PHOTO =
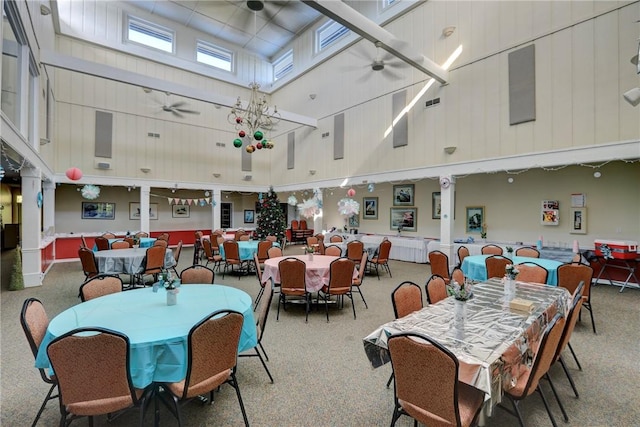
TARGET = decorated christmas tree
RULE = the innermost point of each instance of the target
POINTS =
(271, 220)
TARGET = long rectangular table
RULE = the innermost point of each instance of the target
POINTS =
(492, 344)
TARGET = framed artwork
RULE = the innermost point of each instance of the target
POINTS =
(404, 219)
(404, 195)
(249, 216)
(370, 210)
(134, 210)
(550, 212)
(436, 205)
(354, 221)
(578, 221)
(475, 219)
(98, 210)
(180, 211)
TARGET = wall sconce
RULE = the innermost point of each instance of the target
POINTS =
(597, 174)
(145, 170)
(312, 96)
(632, 96)
(510, 180)
(247, 177)
(447, 31)
(19, 198)
(450, 150)
(312, 172)
(44, 10)
(216, 175)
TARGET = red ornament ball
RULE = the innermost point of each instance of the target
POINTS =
(238, 120)
(259, 145)
(241, 134)
(74, 174)
(351, 192)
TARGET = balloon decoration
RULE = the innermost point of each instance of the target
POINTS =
(74, 174)
(351, 192)
(90, 192)
(292, 200)
(309, 208)
(348, 207)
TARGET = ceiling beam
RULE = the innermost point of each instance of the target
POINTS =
(366, 28)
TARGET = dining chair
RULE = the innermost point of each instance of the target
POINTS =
(152, 265)
(335, 239)
(238, 234)
(333, 250)
(212, 353)
(570, 276)
(527, 252)
(261, 324)
(130, 241)
(340, 278)
(102, 243)
(263, 250)
(244, 238)
(120, 244)
(232, 256)
(197, 274)
(92, 370)
(208, 253)
(356, 283)
(427, 387)
(532, 273)
(406, 298)
(439, 262)
(34, 321)
(100, 285)
(355, 248)
(108, 235)
(312, 240)
(161, 243)
(303, 224)
(435, 289)
(321, 247)
(457, 275)
(176, 256)
(293, 284)
(320, 237)
(197, 247)
(529, 380)
(83, 242)
(140, 234)
(463, 252)
(164, 236)
(295, 224)
(382, 257)
(495, 265)
(274, 252)
(256, 261)
(88, 262)
(491, 250)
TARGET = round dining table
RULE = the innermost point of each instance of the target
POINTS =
(145, 242)
(127, 261)
(474, 267)
(158, 333)
(246, 248)
(317, 272)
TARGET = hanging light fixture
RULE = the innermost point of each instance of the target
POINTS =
(253, 120)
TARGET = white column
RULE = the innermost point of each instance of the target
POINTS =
(31, 226)
(447, 199)
(215, 210)
(144, 208)
(49, 206)
(318, 219)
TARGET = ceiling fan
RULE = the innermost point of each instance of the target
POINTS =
(269, 8)
(383, 62)
(175, 108)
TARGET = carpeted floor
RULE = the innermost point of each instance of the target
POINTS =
(322, 376)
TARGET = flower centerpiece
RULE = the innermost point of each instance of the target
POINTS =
(309, 250)
(461, 292)
(511, 272)
(483, 232)
(509, 252)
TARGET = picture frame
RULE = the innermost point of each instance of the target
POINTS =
(436, 205)
(370, 208)
(98, 210)
(407, 218)
(578, 221)
(475, 219)
(134, 210)
(249, 216)
(354, 221)
(180, 211)
(550, 213)
(404, 195)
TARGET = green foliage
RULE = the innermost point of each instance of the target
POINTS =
(271, 219)
(17, 280)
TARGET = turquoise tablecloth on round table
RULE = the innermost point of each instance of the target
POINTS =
(247, 248)
(157, 332)
(145, 242)
(474, 267)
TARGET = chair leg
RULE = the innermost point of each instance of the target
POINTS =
(308, 307)
(263, 363)
(234, 383)
(566, 371)
(353, 306)
(390, 379)
(396, 415)
(278, 313)
(386, 265)
(593, 322)
(574, 356)
(258, 298)
(362, 296)
(516, 409)
(546, 405)
(555, 393)
(44, 404)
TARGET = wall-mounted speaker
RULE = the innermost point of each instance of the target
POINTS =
(103, 165)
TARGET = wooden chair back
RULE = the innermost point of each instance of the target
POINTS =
(491, 250)
(495, 265)
(436, 289)
(97, 286)
(406, 298)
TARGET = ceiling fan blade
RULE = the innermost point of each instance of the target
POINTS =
(388, 73)
(177, 114)
(361, 52)
(182, 110)
(177, 104)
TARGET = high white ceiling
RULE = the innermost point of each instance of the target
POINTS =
(263, 32)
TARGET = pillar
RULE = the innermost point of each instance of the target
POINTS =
(31, 227)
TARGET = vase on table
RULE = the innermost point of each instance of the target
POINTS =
(172, 296)
(310, 256)
(509, 287)
(459, 312)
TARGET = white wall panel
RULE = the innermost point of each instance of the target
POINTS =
(561, 82)
(543, 130)
(583, 79)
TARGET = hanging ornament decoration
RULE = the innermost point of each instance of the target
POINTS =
(317, 195)
(253, 119)
(292, 200)
(90, 191)
(73, 174)
(351, 192)
(348, 207)
(1, 173)
(371, 188)
(309, 208)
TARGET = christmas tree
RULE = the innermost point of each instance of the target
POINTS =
(271, 221)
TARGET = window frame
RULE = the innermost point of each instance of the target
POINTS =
(279, 70)
(325, 36)
(152, 27)
(215, 49)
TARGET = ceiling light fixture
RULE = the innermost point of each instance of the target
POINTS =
(450, 150)
(597, 174)
(312, 172)
(44, 10)
(632, 96)
(145, 170)
(447, 31)
(216, 175)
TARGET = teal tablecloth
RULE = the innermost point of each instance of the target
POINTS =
(157, 332)
(474, 267)
(247, 248)
(145, 242)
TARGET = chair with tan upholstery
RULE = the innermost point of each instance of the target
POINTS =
(102, 243)
(212, 354)
(529, 380)
(274, 252)
(161, 242)
(570, 276)
(88, 261)
(463, 252)
(140, 234)
(197, 246)
(432, 396)
(340, 277)
(244, 238)
(356, 283)
(207, 250)
(261, 324)
(321, 247)
(491, 250)
(197, 274)
(108, 235)
(527, 252)
(333, 250)
(83, 242)
(130, 241)
(382, 257)
(34, 321)
(120, 244)
(232, 256)
(496, 265)
(238, 234)
(164, 236)
(263, 250)
(440, 265)
(92, 369)
(355, 248)
(532, 273)
(320, 237)
(176, 256)
(335, 239)
(457, 275)
(312, 241)
(102, 284)
(436, 289)
(153, 264)
(293, 283)
(271, 238)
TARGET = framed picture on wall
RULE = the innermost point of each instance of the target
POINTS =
(134, 210)
(404, 195)
(180, 211)
(98, 210)
(578, 221)
(475, 219)
(370, 210)
(550, 212)
(249, 216)
(404, 219)
(436, 205)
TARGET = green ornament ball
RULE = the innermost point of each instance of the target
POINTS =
(258, 135)
(237, 143)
